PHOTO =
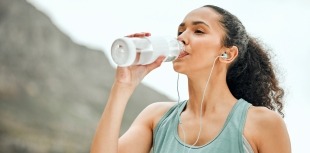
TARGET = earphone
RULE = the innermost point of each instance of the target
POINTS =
(224, 55)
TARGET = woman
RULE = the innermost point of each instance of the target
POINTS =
(234, 105)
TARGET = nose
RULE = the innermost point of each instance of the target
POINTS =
(182, 39)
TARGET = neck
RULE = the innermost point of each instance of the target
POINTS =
(215, 94)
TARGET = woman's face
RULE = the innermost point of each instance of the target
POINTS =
(202, 34)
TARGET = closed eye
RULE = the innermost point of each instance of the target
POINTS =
(199, 32)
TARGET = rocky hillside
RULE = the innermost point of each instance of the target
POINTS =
(52, 90)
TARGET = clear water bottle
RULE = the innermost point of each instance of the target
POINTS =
(128, 51)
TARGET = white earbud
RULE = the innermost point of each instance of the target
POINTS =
(224, 55)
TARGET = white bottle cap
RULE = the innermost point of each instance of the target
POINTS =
(123, 52)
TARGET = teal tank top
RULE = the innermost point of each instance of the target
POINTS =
(229, 140)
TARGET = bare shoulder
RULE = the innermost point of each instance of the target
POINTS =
(138, 138)
(267, 130)
(154, 112)
(264, 117)
(159, 108)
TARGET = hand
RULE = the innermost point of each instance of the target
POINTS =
(141, 34)
(133, 75)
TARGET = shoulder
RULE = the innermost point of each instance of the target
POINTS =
(262, 116)
(266, 128)
(155, 111)
(159, 107)
(265, 120)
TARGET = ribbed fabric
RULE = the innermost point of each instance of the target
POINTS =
(229, 140)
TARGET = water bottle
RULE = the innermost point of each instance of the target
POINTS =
(128, 51)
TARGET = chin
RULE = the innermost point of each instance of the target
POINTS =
(178, 67)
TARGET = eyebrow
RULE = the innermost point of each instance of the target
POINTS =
(195, 23)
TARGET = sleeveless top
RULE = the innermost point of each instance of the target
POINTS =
(229, 140)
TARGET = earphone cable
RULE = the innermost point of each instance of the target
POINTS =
(179, 112)
(202, 100)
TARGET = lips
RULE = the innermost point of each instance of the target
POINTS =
(182, 54)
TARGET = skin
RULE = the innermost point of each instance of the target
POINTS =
(201, 33)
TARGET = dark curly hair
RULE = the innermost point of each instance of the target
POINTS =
(251, 76)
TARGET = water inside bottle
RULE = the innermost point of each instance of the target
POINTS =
(132, 51)
(146, 56)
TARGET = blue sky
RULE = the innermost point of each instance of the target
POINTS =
(282, 25)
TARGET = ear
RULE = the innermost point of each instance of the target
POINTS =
(232, 54)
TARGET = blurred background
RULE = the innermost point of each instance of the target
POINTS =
(56, 69)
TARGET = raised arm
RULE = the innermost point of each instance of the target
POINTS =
(106, 138)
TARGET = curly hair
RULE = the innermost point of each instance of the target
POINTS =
(251, 76)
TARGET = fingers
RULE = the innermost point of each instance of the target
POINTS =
(141, 34)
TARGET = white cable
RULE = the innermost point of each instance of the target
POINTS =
(179, 112)
(178, 93)
(203, 96)
(179, 120)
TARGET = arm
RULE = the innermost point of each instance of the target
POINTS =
(274, 137)
(107, 133)
(268, 131)
(139, 137)
(106, 138)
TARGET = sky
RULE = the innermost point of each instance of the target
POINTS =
(283, 25)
